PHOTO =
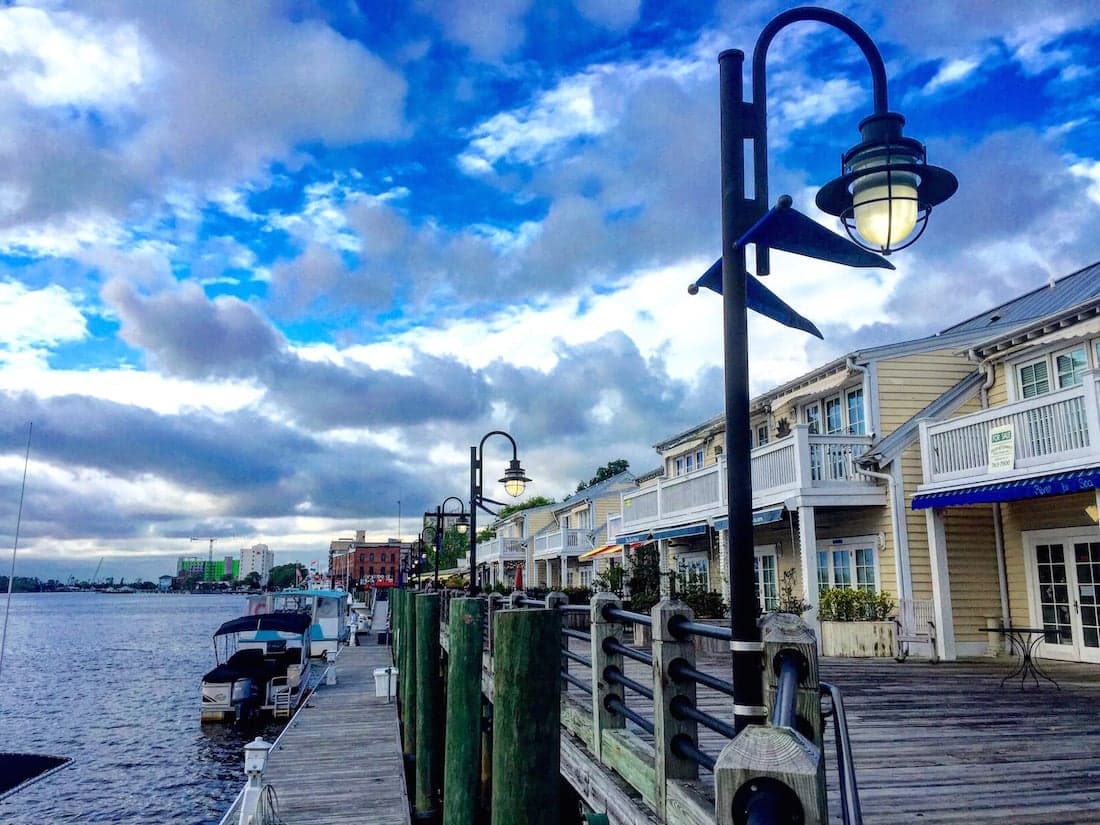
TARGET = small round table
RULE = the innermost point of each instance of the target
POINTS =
(1025, 640)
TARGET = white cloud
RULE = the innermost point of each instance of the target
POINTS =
(34, 320)
(951, 72)
(63, 59)
(585, 105)
(1090, 171)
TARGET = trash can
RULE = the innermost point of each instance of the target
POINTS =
(385, 681)
(383, 637)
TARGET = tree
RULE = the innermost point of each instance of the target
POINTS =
(609, 470)
(488, 533)
(285, 575)
(455, 544)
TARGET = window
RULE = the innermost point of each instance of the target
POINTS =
(856, 420)
(362, 557)
(834, 416)
(812, 414)
(1034, 379)
(372, 557)
(767, 580)
(1070, 367)
(761, 435)
(370, 571)
(679, 466)
(698, 459)
(848, 563)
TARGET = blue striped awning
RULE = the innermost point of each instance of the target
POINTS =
(668, 533)
(1055, 484)
(769, 515)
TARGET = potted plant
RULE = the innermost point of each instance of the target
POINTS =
(855, 623)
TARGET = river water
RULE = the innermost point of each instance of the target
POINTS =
(113, 681)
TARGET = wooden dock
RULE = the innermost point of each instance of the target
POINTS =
(339, 761)
(945, 743)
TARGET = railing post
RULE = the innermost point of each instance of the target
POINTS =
(667, 648)
(1092, 406)
(428, 694)
(526, 718)
(602, 718)
(780, 763)
(462, 761)
(803, 463)
(555, 601)
(408, 673)
(786, 632)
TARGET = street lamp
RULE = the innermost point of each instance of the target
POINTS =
(883, 196)
(514, 480)
(461, 525)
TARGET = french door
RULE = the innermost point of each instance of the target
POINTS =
(1064, 579)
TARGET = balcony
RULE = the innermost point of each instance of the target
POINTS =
(565, 542)
(798, 470)
(500, 549)
(1056, 432)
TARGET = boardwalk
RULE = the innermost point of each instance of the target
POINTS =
(340, 760)
(946, 744)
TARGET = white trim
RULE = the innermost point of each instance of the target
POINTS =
(941, 584)
(1064, 536)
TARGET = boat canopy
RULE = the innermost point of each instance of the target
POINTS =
(285, 622)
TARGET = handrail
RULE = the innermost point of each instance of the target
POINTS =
(682, 627)
(849, 791)
(616, 705)
(683, 672)
(617, 677)
(783, 713)
(683, 747)
(685, 710)
(611, 645)
(617, 614)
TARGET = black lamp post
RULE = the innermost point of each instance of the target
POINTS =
(514, 480)
(883, 196)
(462, 524)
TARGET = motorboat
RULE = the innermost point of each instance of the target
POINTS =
(326, 609)
(263, 663)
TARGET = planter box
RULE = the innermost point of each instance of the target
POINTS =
(857, 639)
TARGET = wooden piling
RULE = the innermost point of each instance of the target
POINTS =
(526, 718)
(428, 711)
(462, 760)
(408, 677)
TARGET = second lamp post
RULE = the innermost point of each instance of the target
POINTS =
(514, 480)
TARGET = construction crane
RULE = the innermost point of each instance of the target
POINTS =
(211, 539)
(95, 576)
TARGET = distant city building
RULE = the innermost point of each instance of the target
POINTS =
(257, 559)
(209, 571)
(358, 562)
(164, 583)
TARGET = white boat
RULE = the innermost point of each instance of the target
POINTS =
(327, 610)
(263, 663)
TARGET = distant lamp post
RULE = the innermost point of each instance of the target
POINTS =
(515, 482)
(883, 196)
(440, 515)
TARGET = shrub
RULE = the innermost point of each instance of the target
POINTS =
(845, 604)
(577, 595)
(789, 600)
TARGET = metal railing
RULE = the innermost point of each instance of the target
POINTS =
(669, 699)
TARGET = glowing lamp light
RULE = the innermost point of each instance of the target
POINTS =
(515, 479)
(462, 525)
(886, 189)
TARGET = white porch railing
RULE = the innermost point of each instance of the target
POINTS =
(568, 541)
(501, 549)
(1051, 432)
(796, 465)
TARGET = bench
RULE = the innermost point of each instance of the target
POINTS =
(914, 624)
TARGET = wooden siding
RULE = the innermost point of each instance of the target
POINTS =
(908, 384)
(1049, 513)
(972, 566)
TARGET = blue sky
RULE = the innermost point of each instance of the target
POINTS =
(268, 268)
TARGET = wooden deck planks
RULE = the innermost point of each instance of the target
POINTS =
(945, 743)
(340, 761)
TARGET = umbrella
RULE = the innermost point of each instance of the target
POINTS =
(519, 577)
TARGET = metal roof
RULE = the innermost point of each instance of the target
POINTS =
(1059, 294)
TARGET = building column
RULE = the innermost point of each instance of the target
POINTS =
(941, 585)
(807, 548)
